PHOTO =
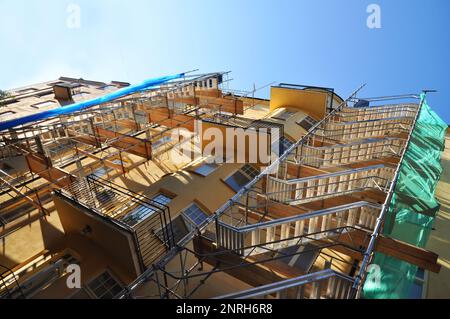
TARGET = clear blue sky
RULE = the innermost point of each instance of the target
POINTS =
(323, 43)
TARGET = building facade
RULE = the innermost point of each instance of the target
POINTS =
(162, 192)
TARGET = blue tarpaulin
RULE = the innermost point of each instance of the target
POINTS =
(85, 104)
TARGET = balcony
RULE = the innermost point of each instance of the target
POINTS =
(145, 218)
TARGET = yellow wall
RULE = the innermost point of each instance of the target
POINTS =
(186, 187)
(119, 244)
(309, 101)
(239, 153)
(26, 242)
(93, 262)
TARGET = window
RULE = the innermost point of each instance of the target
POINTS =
(99, 172)
(137, 214)
(284, 115)
(307, 123)
(104, 170)
(250, 171)
(206, 168)
(105, 286)
(241, 177)
(43, 93)
(195, 215)
(141, 212)
(43, 104)
(162, 199)
(237, 181)
(285, 143)
(210, 83)
(107, 87)
(26, 91)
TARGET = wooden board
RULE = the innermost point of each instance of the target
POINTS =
(395, 248)
(252, 274)
(127, 143)
(41, 166)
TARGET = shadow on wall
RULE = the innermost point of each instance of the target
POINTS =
(51, 236)
(6, 262)
(445, 176)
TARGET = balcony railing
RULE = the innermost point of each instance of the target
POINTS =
(306, 189)
(375, 113)
(280, 233)
(345, 131)
(147, 219)
(325, 284)
(342, 154)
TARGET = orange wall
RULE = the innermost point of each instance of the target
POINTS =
(309, 101)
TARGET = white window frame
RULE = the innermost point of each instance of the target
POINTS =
(88, 289)
(188, 218)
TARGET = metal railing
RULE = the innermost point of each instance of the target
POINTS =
(325, 284)
(306, 189)
(375, 113)
(291, 231)
(171, 279)
(342, 154)
(364, 129)
(148, 220)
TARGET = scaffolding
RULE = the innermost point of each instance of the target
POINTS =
(315, 215)
(108, 133)
(248, 231)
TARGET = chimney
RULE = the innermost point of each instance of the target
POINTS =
(63, 91)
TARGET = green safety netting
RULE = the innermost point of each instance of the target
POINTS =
(413, 207)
